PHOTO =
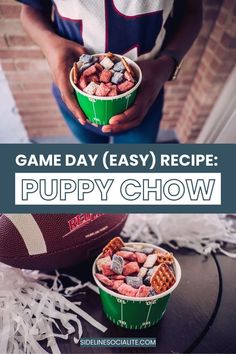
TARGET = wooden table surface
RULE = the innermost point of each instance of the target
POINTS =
(200, 317)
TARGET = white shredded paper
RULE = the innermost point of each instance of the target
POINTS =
(204, 233)
(31, 312)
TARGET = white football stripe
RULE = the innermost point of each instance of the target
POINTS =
(30, 232)
(94, 31)
(137, 7)
(93, 14)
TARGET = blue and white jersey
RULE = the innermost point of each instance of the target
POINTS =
(135, 28)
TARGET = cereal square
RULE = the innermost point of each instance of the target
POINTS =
(143, 291)
(127, 255)
(127, 290)
(117, 264)
(150, 261)
(131, 267)
(117, 284)
(125, 86)
(107, 63)
(101, 261)
(117, 78)
(119, 67)
(106, 269)
(90, 71)
(103, 279)
(135, 282)
(91, 88)
(102, 90)
(141, 257)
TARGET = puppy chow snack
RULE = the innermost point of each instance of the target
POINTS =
(130, 256)
(129, 249)
(119, 67)
(102, 90)
(128, 76)
(105, 76)
(143, 291)
(150, 261)
(107, 63)
(141, 257)
(147, 280)
(103, 70)
(165, 257)
(86, 58)
(135, 271)
(105, 280)
(128, 68)
(91, 88)
(114, 245)
(151, 270)
(83, 67)
(118, 277)
(127, 290)
(117, 264)
(135, 282)
(90, 71)
(83, 82)
(131, 268)
(75, 73)
(104, 260)
(147, 250)
(113, 91)
(106, 269)
(162, 279)
(116, 284)
(117, 78)
(142, 272)
(125, 86)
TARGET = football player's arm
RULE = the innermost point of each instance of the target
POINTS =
(156, 72)
(59, 52)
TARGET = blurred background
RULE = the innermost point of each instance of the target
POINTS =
(199, 107)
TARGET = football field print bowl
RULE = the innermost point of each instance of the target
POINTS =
(133, 312)
(98, 109)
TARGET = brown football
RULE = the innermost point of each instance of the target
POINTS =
(49, 241)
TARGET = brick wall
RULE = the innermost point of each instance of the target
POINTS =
(188, 101)
(216, 63)
(176, 92)
(28, 76)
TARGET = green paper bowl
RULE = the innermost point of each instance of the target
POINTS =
(135, 313)
(99, 110)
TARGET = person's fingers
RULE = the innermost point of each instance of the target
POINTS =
(118, 118)
(69, 99)
(72, 104)
(128, 115)
(129, 119)
(132, 112)
(119, 128)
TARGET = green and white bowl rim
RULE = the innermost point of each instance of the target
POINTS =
(177, 269)
(106, 98)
